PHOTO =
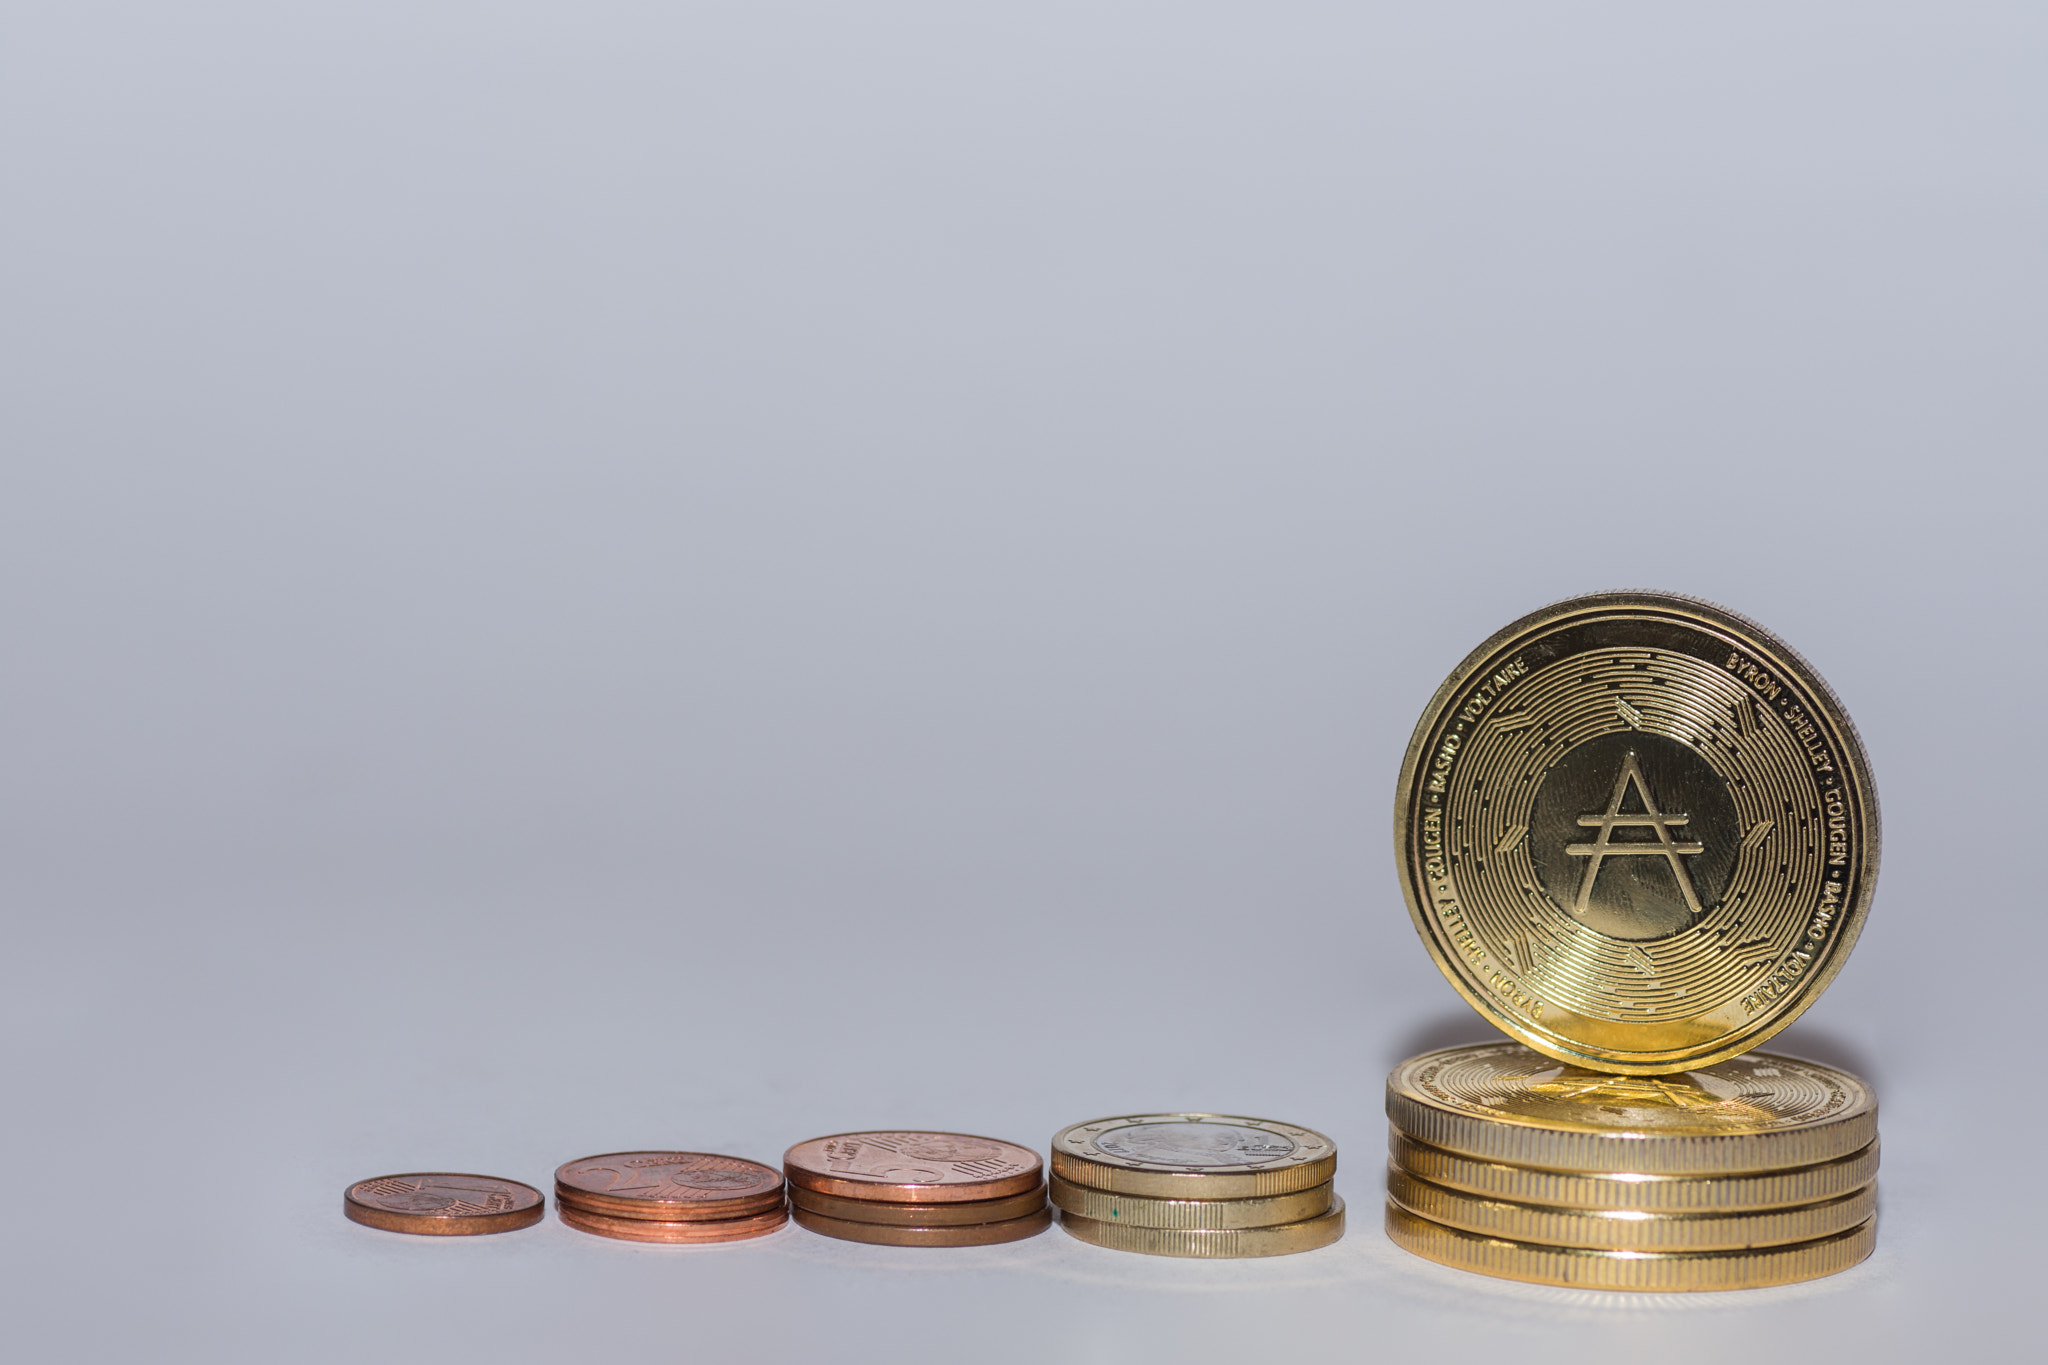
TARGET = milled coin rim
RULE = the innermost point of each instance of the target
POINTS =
(1282, 1239)
(1757, 642)
(1644, 1272)
(1214, 1215)
(1076, 1158)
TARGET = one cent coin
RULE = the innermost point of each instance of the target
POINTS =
(443, 1204)
(918, 1215)
(971, 1235)
(1637, 832)
(665, 1230)
(674, 1186)
(912, 1167)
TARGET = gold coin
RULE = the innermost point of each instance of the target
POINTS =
(1215, 1214)
(672, 1230)
(1666, 1272)
(1637, 832)
(971, 1235)
(1640, 1193)
(1503, 1102)
(918, 1215)
(1612, 1230)
(1216, 1243)
(1193, 1156)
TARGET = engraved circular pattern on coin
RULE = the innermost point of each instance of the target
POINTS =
(1284, 1239)
(918, 1215)
(1636, 831)
(668, 1185)
(1612, 1230)
(1629, 1191)
(913, 1167)
(1632, 1271)
(443, 1204)
(1131, 1210)
(672, 1231)
(1193, 1156)
(1507, 1103)
(968, 1235)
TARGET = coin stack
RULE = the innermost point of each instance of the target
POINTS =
(917, 1189)
(1756, 1171)
(1208, 1185)
(670, 1197)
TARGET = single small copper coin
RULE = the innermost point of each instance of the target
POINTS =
(665, 1230)
(962, 1214)
(672, 1186)
(913, 1168)
(443, 1204)
(970, 1235)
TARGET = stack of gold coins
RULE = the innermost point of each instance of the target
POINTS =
(1756, 1171)
(917, 1189)
(1638, 833)
(1212, 1185)
(670, 1197)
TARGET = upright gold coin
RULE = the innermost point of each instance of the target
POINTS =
(1630, 1192)
(1130, 1210)
(1611, 1230)
(1637, 832)
(1669, 1272)
(1213, 1243)
(1502, 1102)
(1193, 1156)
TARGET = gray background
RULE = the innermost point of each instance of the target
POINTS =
(606, 575)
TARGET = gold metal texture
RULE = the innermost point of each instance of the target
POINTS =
(1506, 1103)
(1130, 1210)
(1611, 1230)
(1623, 1191)
(1284, 1239)
(969, 1235)
(1672, 1272)
(1193, 1156)
(918, 1215)
(443, 1204)
(672, 1231)
(1637, 832)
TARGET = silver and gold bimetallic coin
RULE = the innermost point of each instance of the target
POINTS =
(1132, 1210)
(1193, 1156)
(1283, 1239)
(1506, 1104)
(1637, 832)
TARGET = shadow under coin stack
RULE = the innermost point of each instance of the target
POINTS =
(1207, 1185)
(917, 1189)
(1756, 1171)
(670, 1197)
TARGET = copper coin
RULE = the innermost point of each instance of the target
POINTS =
(913, 1168)
(442, 1204)
(972, 1235)
(918, 1215)
(664, 1230)
(674, 1186)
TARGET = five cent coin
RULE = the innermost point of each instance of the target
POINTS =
(913, 1167)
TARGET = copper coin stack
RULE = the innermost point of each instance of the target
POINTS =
(670, 1197)
(917, 1189)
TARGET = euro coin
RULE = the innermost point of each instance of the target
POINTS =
(962, 1214)
(1502, 1102)
(1193, 1156)
(443, 1204)
(670, 1186)
(1130, 1210)
(1284, 1239)
(967, 1235)
(1637, 832)
(1625, 1230)
(913, 1167)
(1629, 1192)
(1667, 1272)
(672, 1230)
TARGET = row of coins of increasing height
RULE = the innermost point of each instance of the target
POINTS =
(1639, 835)
(1209, 1185)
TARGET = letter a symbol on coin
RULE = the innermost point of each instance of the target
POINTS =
(1603, 847)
